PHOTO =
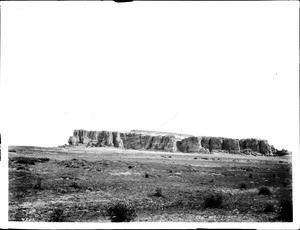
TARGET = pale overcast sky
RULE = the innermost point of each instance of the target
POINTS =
(204, 68)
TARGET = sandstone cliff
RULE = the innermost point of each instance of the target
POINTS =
(170, 142)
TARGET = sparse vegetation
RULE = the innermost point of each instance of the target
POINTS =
(85, 187)
(121, 211)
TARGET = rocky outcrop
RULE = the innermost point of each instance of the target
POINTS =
(156, 143)
(283, 152)
(117, 141)
(169, 144)
(172, 143)
(250, 143)
(215, 143)
(264, 147)
(231, 145)
(105, 138)
(146, 141)
(205, 142)
(73, 141)
(192, 145)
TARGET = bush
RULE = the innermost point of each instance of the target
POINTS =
(286, 209)
(57, 215)
(74, 185)
(213, 201)
(269, 208)
(243, 186)
(158, 192)
(121, 212)
(264, 190)
(29, 160)
(38, 184)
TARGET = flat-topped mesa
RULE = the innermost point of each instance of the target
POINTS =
(170, 142)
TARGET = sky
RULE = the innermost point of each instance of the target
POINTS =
(204, 68)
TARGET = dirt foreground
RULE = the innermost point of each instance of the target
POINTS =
(77, 184)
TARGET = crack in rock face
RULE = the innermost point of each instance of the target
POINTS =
(171, 142)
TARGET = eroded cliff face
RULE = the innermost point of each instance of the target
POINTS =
(170, 143)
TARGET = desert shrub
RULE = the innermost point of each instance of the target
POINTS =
(57, 215)
(121, 212)
(243, 186)
(74, 185)
(20, 214)
(158, 192)
(213, 201)
(269, 208)
(264, 190)
(29, 160)
(286, 209)
(38, 184)
(284, 184)
(21, 167)
(24, 160)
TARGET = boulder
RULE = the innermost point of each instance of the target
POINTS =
(264, 147)
(73, 141)
(231, 145)
(215, 143)
(118, 142)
